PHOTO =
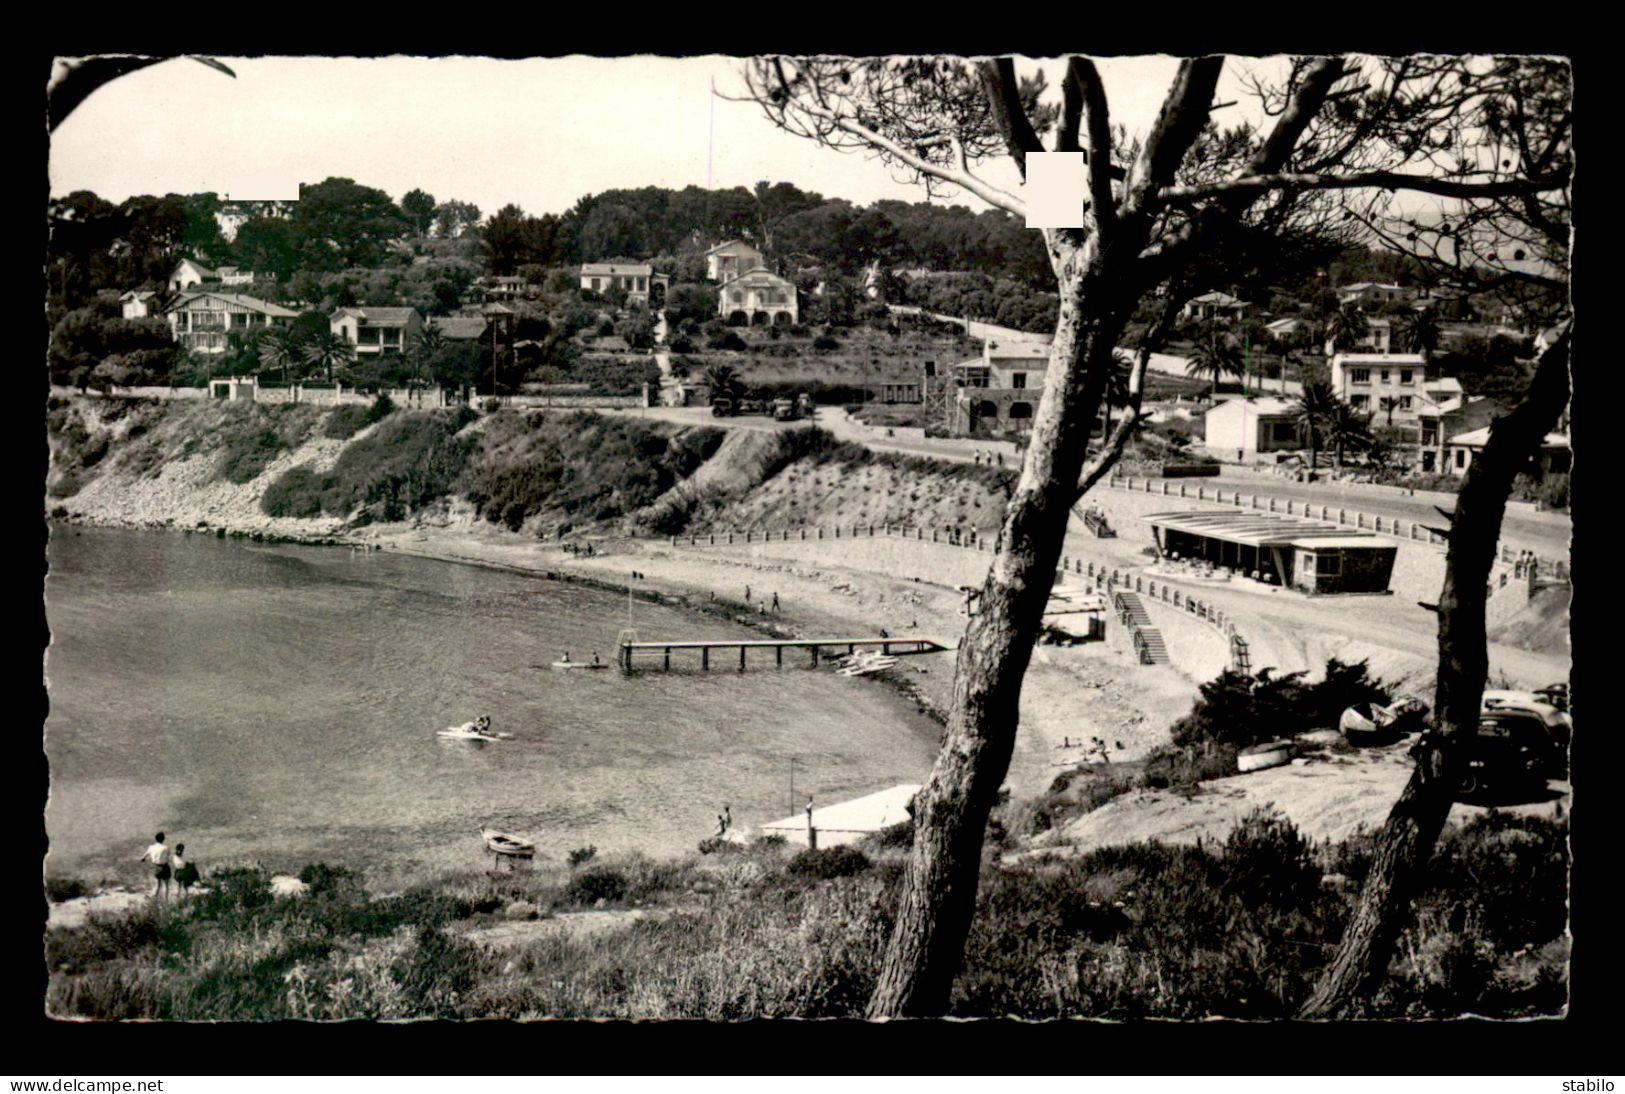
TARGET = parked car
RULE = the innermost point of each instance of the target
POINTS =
(1512, 751)
(1557, 722)
(722, 408)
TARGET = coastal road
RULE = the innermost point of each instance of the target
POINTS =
(1523, 528)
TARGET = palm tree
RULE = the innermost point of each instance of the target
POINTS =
(1389, 403)
(426, 344)
(1347, 427)
(1117, 394)
(280, 347)
(1346, 327)
(1310, 410)
(1217, 356)
(1421, 332)
(326, 349)
(724, 382)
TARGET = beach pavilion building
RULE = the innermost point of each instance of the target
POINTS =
(1312, 556)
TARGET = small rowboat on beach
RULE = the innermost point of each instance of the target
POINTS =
(1373, 720)
(1259, 757)
(579, 665)
(501, 843)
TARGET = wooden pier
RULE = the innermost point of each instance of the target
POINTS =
(900, 646)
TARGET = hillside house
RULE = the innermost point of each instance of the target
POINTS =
(376, 331)
(1554, 459)
(204, 321)
(1471, 415)
(1214, 305)
(726, 261)
(998, 392)
(189, 273)
(1368, 293)
(1393, 386)
(758, 297)
(136, 304)
(1252, 426)
(637, 279)
(232, 215)
(502, 288)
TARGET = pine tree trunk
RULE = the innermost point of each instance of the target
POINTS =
(939, 891)
(1408, 837)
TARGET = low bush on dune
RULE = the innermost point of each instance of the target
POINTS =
(829, 862)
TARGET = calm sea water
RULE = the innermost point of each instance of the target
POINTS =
(281, 702)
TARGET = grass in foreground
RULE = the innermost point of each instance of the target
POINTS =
(1149, 930)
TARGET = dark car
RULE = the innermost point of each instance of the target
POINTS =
(1513, 751)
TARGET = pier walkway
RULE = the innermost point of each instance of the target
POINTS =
(893, 646)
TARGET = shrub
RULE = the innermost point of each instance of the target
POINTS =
(582, 854)
(344, 422)
(825, 343)
(58, 889)
(598, 883)
(829, 862)
(1266, 861)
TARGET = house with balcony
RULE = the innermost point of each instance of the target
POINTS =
(204, 322)
(1394, 387)
(376, 331)
(759, 297)
(726, 261)
(235, 275)
(998, 392)
(637, 279)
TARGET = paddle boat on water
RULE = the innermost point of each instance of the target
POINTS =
(864, 663)
(477, 730)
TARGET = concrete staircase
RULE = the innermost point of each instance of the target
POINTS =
(1148, 641)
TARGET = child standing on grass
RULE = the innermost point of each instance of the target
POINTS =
(157, 855)
(186, 874)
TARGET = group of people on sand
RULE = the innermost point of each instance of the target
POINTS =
(565, 660)
(169, 865)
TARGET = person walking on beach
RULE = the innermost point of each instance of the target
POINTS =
(775, 602)
(158, 857)
(747, 594)
(727, 817)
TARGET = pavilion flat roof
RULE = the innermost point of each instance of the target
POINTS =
(1262, 529)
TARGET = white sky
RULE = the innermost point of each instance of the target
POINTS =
(538, 133)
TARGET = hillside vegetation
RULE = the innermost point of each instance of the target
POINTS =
(284, 468)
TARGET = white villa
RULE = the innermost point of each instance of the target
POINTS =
(758, 297)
